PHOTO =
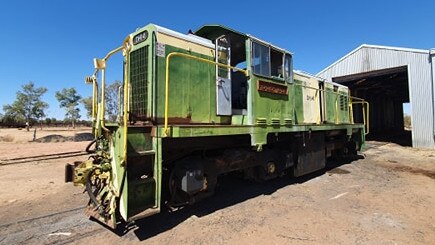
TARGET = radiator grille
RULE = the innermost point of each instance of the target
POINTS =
(343, 103)
(139, 84)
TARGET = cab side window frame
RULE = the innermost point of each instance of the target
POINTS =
(271, 63)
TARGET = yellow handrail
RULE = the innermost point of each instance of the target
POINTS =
(173, 54)
(327, 91)
(368, 117)
(119, 101)
(94, 100)
(103, 100)
(318, 102)
(101, 65)
(93, 79)
(350, 111)
(168, 58)
(126, 100)
(366, 113)
(94, 105)
(99, 120)
(336, 107)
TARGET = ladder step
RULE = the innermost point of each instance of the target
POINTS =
(143, 181)
(142, 153)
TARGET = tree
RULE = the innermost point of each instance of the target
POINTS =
(28, 105)
(87, 104)
(112, 106)
(407, 122)
(69, 100)
(48, 121)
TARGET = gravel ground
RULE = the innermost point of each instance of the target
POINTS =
(386, 198)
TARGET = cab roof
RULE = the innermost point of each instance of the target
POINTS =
(213, 31)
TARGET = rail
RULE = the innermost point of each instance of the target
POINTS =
(48, 224)
(318, 90)
(100, 64)
(365, 106)
(126, 108)
(99, 110)
(45, 157)
(168, 59)
(93, 79)
(365, 111)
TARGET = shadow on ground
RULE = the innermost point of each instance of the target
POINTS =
(403, 138)
(231, 191)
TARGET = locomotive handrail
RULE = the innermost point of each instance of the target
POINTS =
(173, 54)
(364, 103)
(366, 118)
(126, 99)
(119, 102)
(327, 91)
(168, 58)
(94, 100)
(93, 79)
(100, 64)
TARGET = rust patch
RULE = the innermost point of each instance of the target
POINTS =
(185, 121)
(174, 120)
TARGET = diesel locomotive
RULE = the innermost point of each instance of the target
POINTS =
(196, 106)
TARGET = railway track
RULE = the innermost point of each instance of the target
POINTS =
(61, 227)
(20, 160)
(6, 225)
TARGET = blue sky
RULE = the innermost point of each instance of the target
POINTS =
(52, 43)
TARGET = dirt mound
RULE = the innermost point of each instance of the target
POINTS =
(83, 137)
(428, 173)
(52, 138)
(7, 138)
(59, 138)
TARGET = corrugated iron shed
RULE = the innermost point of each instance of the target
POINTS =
(420, 69)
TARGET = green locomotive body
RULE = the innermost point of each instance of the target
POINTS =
(196, 106)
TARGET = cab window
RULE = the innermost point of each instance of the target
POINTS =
(288, 68)
(276, 64)
(260, 59)
(269, 62)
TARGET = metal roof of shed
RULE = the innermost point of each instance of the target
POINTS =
(422, 51)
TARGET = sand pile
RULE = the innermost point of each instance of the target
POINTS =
(60, 138)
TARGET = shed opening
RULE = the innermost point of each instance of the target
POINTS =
(386, 91)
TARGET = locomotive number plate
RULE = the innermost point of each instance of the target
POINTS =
(272, 88)
(140, 37)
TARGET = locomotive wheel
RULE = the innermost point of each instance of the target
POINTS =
(177, 198)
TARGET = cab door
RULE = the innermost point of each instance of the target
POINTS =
(223, 77)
